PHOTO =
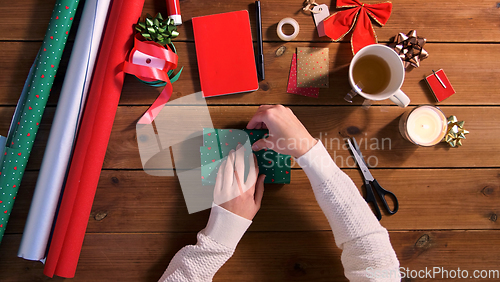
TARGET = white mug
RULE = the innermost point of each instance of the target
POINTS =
(393, 89)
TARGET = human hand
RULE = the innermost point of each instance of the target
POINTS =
(287, 135)
(231, 192)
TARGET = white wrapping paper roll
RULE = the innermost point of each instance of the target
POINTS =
(63, 132)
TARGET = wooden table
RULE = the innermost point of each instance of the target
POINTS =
(449, 197)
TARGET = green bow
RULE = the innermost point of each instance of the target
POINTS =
(160, 31)
(157, 29)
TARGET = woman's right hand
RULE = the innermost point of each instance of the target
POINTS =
(287, 135)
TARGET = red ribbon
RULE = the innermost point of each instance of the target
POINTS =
(146, 73)
(358, 20)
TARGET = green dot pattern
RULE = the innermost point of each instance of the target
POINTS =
(37, 90)
(217, 143)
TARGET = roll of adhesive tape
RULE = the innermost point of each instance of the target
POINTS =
(291, 22)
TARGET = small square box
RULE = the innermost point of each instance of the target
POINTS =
(440, 85)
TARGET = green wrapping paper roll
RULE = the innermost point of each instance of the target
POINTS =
(37, 89)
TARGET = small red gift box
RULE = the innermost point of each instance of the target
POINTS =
(440, 85)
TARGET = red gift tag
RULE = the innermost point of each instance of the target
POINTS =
(440, 85)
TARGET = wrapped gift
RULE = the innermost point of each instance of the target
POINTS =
(217, 143)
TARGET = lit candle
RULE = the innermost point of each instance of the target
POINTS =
(424, 125)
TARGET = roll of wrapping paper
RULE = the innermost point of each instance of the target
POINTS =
(92, 140)
(63, 132)
(31, 106)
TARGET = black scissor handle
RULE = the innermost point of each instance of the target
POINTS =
(370, 198)
(382, 193)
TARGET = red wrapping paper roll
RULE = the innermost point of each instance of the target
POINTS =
(92, 140)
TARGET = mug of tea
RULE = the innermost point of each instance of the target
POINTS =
(377, 73)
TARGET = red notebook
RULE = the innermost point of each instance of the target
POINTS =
(224, 50)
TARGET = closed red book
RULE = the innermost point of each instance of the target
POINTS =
(224, 49)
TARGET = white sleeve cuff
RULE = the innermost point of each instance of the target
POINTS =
(226, 227)
(317, 164)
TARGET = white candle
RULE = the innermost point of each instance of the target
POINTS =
(425, 125)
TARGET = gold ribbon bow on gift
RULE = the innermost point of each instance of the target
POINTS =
(410, 48)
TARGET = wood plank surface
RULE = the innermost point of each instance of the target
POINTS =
(452, 21)
(471, 68)
(448, 197)
(426, 197)
(376, 130)
(261, 256)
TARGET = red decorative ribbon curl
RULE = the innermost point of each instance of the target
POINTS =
(358, 20)
(146, 73)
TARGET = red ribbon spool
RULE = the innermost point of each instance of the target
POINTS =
(151, 74)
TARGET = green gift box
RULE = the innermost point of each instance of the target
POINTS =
(217, 143)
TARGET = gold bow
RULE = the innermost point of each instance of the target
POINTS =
(456, 132)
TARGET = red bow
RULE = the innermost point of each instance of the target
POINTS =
(340, 23)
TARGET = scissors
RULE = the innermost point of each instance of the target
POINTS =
(371, 183)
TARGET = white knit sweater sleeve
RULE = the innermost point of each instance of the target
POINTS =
(367, 254)
(216, 244)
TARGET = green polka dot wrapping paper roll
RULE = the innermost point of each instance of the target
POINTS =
(31, 106)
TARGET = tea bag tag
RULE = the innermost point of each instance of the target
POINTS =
(358, 88)
(320, 12)
(349, 96)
